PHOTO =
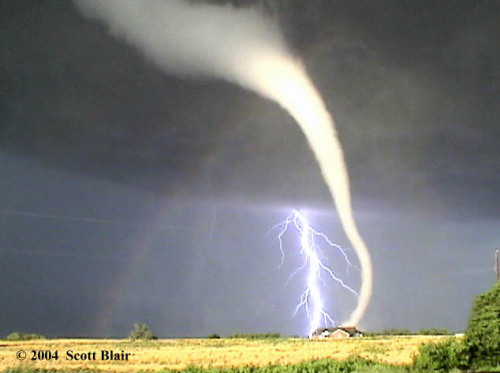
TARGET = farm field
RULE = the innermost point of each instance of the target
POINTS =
(180, 353)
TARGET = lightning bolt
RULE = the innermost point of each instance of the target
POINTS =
(311, 299)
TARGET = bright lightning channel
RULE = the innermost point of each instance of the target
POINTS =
(311, 299)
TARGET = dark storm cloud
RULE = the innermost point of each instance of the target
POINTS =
(97, 108)
(416, 107)
(91, 131)
(412, 87)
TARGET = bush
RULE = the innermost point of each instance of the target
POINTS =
(18, 336)
(479, 349)
(441, 357)
(213, 336)
(142, 331)
(482, 337)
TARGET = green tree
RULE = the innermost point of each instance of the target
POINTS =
(213, 336)
(481, 347)
(142, 331)
(18, 336)
(434, 331)
(482, 337)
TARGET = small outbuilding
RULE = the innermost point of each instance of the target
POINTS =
(338, 332)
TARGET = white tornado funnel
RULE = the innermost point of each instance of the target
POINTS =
(243, 47)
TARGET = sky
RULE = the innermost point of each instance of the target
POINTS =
(131, 194)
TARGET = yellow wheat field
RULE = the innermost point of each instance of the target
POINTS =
(180, 353)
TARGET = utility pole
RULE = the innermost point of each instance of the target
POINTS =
(497, 265)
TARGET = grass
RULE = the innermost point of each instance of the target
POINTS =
(181, 354)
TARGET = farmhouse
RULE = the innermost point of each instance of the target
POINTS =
(339, 332)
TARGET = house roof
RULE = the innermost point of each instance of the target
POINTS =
(351, 330)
